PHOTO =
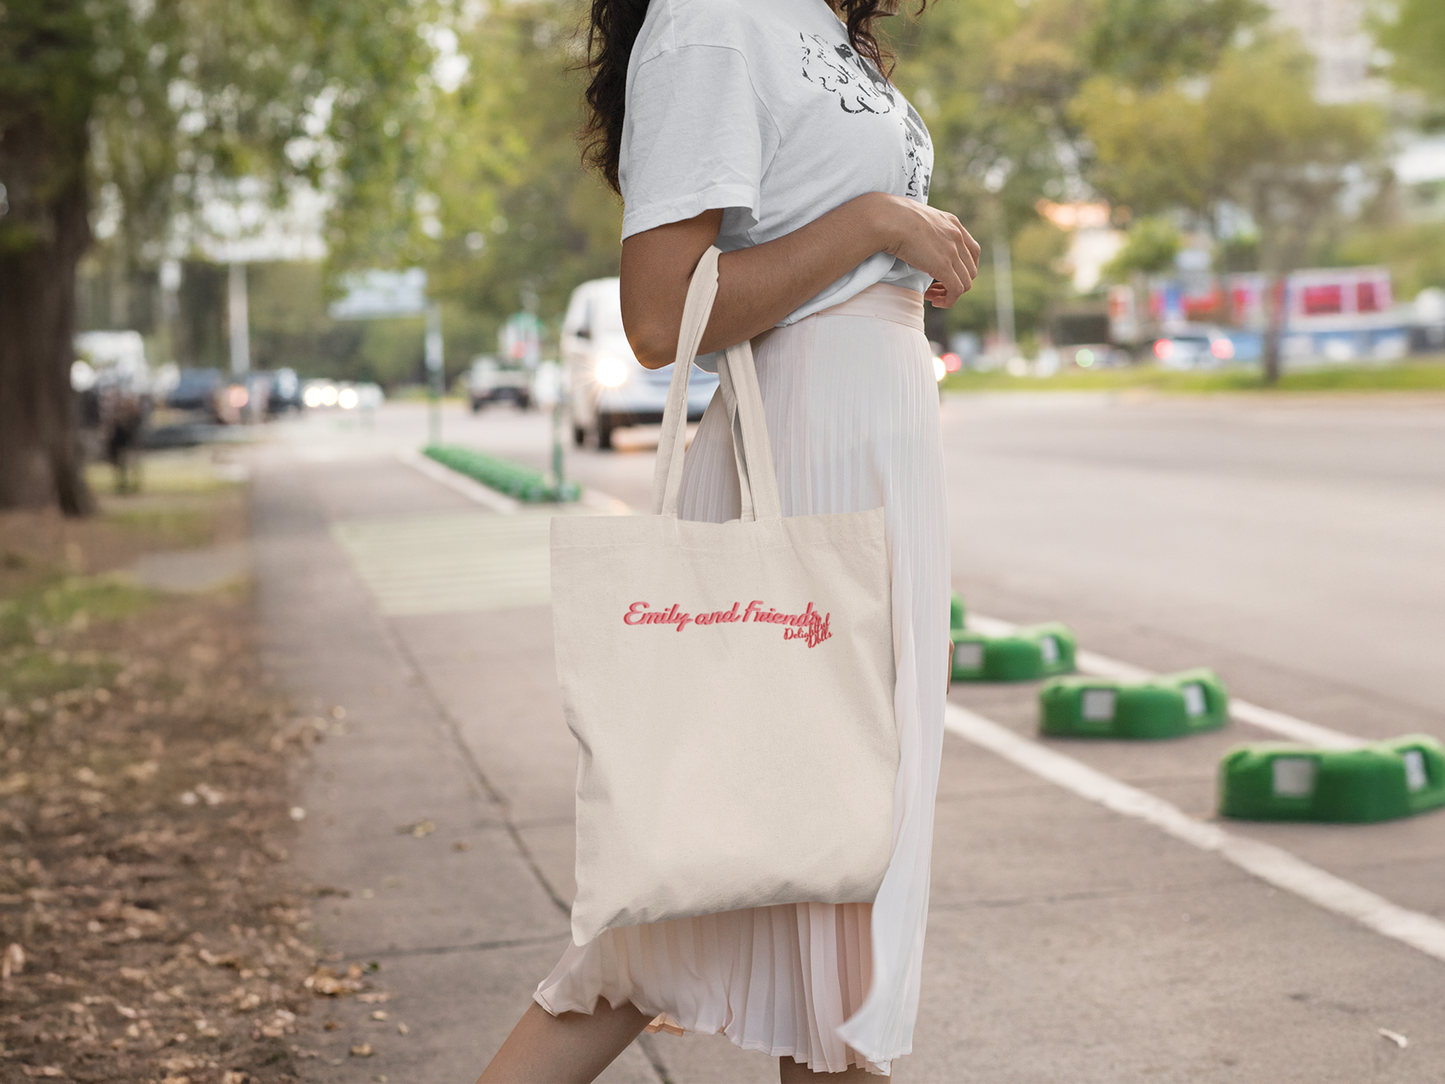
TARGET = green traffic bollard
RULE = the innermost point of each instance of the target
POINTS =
(957, 612)
(1383, 781)
(1168, 706)
(1029, 653)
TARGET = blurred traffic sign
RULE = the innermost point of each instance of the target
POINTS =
(1275, 781)
(1169, 706)
(377, 295)
(521, 339)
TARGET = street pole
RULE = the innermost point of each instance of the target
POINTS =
(557, 441)
(1004, 295)
(434, 370)
(239, 319)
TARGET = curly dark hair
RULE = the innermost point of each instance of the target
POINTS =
(610, 36)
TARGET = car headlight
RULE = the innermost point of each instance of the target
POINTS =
(611, 372)
(347, 399)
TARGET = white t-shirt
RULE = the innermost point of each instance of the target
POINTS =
(763, 109)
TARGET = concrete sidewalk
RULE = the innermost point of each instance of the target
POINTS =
(1067, 945)
(438, 831)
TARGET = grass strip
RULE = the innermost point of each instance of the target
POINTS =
(513, 479)
(1425, 375)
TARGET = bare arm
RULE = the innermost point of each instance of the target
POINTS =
(760, 285)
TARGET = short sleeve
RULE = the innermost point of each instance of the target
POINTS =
(694, 138)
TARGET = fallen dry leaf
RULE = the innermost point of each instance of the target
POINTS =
(230, 959)
(325, 982)
(403, 1029)
(143, 772)
(1394, 1037)
(417, 829)
(41, 1070)
(13, 962)
(362, 1050)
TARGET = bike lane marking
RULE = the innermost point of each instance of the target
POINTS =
(1270, 864)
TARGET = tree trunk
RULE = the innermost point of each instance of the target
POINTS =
(1274, 330)
(40, 247)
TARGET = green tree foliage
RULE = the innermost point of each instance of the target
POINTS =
(522, 222)
(1252, 134)
(1416, 38)
(1147, 43)
(1151, 246)
(152, 105)
(992, 80)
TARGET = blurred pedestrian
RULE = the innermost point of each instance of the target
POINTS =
(123, 411)
(771, 131)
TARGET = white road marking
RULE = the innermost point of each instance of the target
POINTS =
(1269, 863)
(1287, 726)
(1276, 722)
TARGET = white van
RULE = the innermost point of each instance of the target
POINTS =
(609, 388)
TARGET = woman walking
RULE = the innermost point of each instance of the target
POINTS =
(770, 131)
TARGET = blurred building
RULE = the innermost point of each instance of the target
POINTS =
(1336, 33)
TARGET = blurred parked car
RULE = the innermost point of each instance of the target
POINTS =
(1194, 347)
(489, 382)
(609, 386)
(196, 389)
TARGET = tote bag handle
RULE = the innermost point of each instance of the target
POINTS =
(738, 379)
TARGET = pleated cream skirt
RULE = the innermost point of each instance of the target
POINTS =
(852, 411)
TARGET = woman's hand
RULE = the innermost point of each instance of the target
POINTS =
(931, 240)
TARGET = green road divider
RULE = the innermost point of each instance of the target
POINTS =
(1169, 706)
(957, 612)
(1274, 781)
(513, 479)
(1029, 653)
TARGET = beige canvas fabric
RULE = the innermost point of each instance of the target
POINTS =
(730, 686)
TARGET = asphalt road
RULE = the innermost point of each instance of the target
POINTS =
(1292, 544)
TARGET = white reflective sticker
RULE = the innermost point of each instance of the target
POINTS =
(1098, 705)
(968, 655)
(1416, 778)
(1049, 649)
(1195, 703)
(1294, 777)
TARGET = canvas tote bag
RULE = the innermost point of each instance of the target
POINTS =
(730, 685)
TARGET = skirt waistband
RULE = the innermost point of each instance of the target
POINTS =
(883, 301)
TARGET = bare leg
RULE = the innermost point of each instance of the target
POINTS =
(791, 1072)
(569, 1049)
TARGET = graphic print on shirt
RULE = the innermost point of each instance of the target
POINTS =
(861, 88)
